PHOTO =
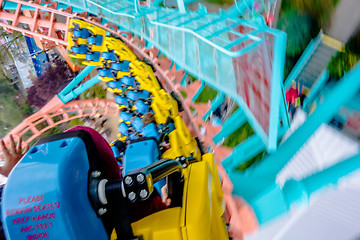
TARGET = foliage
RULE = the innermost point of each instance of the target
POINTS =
(55, 78)
(76, 61)
(302, 20)
(183, 94)
(299, 28)
(95, 91)
(207, 94)
(289, 64)
(320, 10)
(10, 113)
(342, 62)
(239, 135)
(6, 88)
(34, 99)
(354, 43)
(52, 131)
(28, 110)
(76, 122)
(221, 2)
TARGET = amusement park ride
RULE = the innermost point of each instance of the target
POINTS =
(146, 53)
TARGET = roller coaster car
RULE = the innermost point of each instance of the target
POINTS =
(107, 74)
(124, 131)
(116, 86)
(87, 34)
(164, 106)
(126, 114)
(123, 84)
(123, 52)
(122, 101)
(144, 75)
(63, 189)
(79, 51)
(122, 66)
(135, 95)
(74, 38)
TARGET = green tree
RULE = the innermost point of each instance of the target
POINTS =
(342, 62)
(6, 88)
(10, 113)
(50, 83)
(354, 43)
(320, 10)
(5, 55)
(95, 91)
(300, 29)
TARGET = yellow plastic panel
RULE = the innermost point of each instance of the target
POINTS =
(120, 49)
(160, 226)
(203, 210)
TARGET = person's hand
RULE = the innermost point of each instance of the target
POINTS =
(13, 156)
(164, 195)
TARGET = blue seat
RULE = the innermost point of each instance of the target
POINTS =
(128, 81)
(106, 73)
(121, 66)
(96, 40)
(115, 84)
(82, 33)
(132, 136)
(149, 154)
(81, 49)
(137, 124)
(126, 116)
(116, 152)
(123, 129)
(95, 56)
(136, 95)
(76, 26)
(122, 101)
(109, 56)
(141, 107)
(151, 130)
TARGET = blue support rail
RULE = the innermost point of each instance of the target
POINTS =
(235, 121)
(77, 91)
(214, 105)
(64, 94)
(315, 90)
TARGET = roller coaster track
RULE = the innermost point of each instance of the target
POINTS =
(56, 113)
(221, 47)
(140, 29)
(165, 69)
(240, 42)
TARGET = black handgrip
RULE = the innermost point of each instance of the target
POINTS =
(118, 209)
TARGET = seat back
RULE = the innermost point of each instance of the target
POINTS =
(46, 195)
(140, 154)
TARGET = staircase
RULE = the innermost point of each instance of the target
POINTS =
(313, 61)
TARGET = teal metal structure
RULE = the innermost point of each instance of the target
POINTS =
(225, 52)
(315, 90)
(71, 91)
(303, 60)
(210, 47)
(257, 184)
